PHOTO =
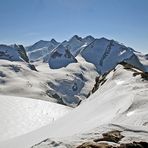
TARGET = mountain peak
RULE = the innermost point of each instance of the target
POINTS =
(42, 41)
(60, 57)
(103, 38)
(53, 41)
(76, 38)
(89, 37)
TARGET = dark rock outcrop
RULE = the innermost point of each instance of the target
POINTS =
(95, 145)
(112, 136)
(106, 145)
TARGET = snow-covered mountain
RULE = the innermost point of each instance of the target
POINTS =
(65, 79)
(106, 54)
(103, 53)
(76, 43)
(9, 53)
(22, 52)
(105, 79)
(40, 49)
(65, 86)
(13, 53)
(119, 104)
(60, 57)
(41, 44)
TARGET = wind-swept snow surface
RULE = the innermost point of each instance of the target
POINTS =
(120, 102)
(105, 81)
(19, 115)
(65, 86)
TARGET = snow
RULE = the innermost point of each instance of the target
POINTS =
(18, 80)
(9, 53)
(123, 105)
(143, 59)
(40, 49)
(119, 82)
(106, 54)
(20, 115)
(60, 57)
(76, 43)
(122, 52)
(41, 44)
(120, 103)
(38, 54)
(130, 113)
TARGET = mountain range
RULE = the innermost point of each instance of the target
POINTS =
(82, 88)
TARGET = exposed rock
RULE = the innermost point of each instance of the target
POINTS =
(112, 136)
(99, 81)
(111, 140)
(107, 145)
(48, 143)
(136, 71)
(2, 74)
(134, 145)
(95, 145)
(146, 56)
(60, 57)
(32, 67)
(22, 52)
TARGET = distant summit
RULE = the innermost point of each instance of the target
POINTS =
(13, 53)
(103, 53)
(60, 57)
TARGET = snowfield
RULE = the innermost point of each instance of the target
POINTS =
(121, 103)
(81, 88)
(20, 115)
(61, 85)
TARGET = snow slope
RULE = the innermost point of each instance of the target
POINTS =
(15, 53)
(106, 54)
(120, 103)
(103, 53)
(40, 49)
(60, 57)
(19, 115)
(143, 59)
(65, 86)
(41, 44)
(38, 54)
(75, 43)
(71, 83)
(9, 53)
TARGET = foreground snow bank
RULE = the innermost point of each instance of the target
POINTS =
(22, 115)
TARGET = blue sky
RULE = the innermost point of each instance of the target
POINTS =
(27, 21)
